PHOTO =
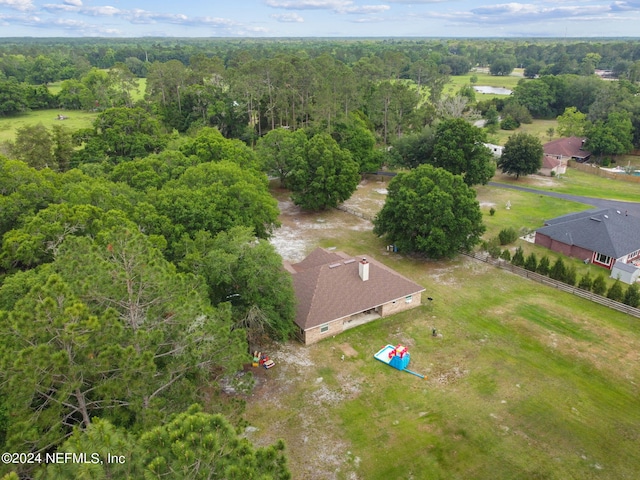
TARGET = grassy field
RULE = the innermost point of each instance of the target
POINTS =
(485, 79)
(523, 381)
(537, 128)
(575, 182)
(76, 120)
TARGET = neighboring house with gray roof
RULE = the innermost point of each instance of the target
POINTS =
(604, 237)
(336, 292)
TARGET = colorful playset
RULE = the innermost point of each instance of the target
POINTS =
(397, 357)
(262, 360)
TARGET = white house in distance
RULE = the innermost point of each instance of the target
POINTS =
(336, 292)
(495, 149)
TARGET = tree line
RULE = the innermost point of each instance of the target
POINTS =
(133, 286)
(135, 266)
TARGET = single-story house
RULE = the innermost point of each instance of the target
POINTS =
(567, 148)
(335, 292)
(553, 166)
(605, 237)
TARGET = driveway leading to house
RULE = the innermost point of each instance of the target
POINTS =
(632, 207)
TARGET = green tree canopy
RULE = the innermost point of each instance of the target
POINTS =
(193, 445)
(430, 211)
(248, 272)
(121, 134)
(611, 137)
(459, 149)
(197, 445)
(280, 151)
(34, 146)
(115, 332)
(522, 155)
(353, 135)
(210, 146)
(536, 95)
(572, 123)
(326, 177)
(503, 65)
(216, 196)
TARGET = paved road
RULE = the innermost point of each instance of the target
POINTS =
(632, 207)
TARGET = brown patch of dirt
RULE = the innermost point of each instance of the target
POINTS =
(318, 454)
(348, 350)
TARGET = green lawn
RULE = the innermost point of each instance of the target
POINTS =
(537, 128)
(524, 381)
(76, 120)
(575, 182)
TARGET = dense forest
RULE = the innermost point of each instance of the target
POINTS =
(135, 269)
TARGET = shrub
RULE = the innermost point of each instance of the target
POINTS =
(558, 271)
(518, 258)
(492, 211)
(507, 236)
(632, 296)
(531, 262)
(599, 286)
(570, 276)
(544, 266)
(506, 255)
(509, 123)
(493, 248)
(615, 292)
(586, 282)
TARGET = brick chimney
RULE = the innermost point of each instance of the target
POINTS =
(363, 269)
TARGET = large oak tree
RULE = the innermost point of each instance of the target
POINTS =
(430, 211)
(522, 155)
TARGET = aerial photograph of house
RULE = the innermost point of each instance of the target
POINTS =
(606, 237)
(568, 148)
(552, 166)
(336, 292)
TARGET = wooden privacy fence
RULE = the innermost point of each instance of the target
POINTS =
(594, 170)
(607, 302)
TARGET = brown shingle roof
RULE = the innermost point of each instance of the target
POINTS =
(333, 289)
(550, 162)
(567, 147)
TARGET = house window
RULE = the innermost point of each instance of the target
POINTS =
(633, 255)
(408, 299)
(324, 328)
(602, 259)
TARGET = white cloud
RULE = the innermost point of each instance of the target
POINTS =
(625, 6)
(338, 6)
(521, 13)
(309, 4)
(75, 3)
(22, 5)
(287, 17)
(365, 9)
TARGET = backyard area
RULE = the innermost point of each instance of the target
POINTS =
(522, 381)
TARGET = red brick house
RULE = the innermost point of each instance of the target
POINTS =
(604, 237)
(336, 292)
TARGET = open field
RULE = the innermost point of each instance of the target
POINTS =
(483, 78)
(575, 182)
(523, 381)
(537, 128)
(75, 121)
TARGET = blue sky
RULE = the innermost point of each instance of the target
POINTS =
(319, 18)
